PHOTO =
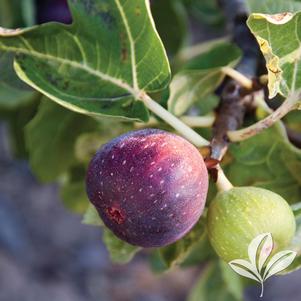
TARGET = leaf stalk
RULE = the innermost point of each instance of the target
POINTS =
(173, 121)
(223, 183)
(239, 77)
(192, 121)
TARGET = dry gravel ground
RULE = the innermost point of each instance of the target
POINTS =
(46, 253)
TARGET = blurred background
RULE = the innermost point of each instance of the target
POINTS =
(46, 253)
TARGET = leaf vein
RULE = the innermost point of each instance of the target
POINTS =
(132, 44)
(116, 81)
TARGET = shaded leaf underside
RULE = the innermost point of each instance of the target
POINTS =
(201, 77)
(269, 161)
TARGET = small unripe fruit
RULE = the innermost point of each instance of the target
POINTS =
(148, 186)
(235, 217)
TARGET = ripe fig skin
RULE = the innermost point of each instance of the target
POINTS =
(148, 186)
(235, 217)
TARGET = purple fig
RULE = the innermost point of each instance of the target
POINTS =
(148, 186)
(53, 10)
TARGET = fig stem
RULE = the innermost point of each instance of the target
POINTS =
(222, 183)
(290, 104)
(239, 77)
(172, 120)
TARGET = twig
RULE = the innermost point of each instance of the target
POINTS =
(290, 104)
(230, 115)
(293, 136)
(235, 99)
(237, 93)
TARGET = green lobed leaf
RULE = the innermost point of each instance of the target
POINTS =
(13, 92)
(120, 251)
(183, 252)
(297, 240)
(156, 262)
(73, 190)
(12, 98)
(28, 12)
(16, 13)
(201, 77)
(206, 11)
(74, 196)
(98, 65)
(279, 38)
(267, 160)
(88, 143)
(172, 29)
(7, 17)
(91, 217)
(293, 121)
(197, 253)
(217, 283)
(50, 139)
(17, 117)
(232, 281)
(273, 6)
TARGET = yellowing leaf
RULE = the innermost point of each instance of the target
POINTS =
(279, 38)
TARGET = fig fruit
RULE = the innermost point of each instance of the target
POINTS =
(53, 10)
(148, 186)
(235, 217)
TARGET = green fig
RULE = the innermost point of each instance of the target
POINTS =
(235, 217)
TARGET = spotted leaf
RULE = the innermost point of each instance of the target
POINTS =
(100, 64)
